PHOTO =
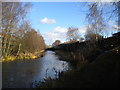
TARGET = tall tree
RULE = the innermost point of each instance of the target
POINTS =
(12, 15)
(32, 42)
(95, 19)
(73, 34)
(99, 16)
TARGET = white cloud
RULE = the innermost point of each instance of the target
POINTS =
(112, 26)
(116, 27)
(83, 29)
(60, 29)
(111, 22)
(47, 21)
(59, 33)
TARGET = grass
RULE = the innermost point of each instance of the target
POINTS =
(26, 56)
(103, 72)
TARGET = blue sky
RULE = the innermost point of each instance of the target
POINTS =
(65, 14)
(53, 18)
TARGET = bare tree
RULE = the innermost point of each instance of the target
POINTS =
(23, 29)
(13, 13)
(99, 14)
(32, 41)
(92, 36)
(73, 34)
(95, 19)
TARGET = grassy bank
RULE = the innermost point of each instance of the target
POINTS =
(103, 72)
(22, 56)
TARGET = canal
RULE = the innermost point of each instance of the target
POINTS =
(26, 73)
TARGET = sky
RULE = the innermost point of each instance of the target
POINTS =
(52, 19)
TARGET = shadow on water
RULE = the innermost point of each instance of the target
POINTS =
(23, 74)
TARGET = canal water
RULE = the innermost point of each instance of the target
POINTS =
(26, 73)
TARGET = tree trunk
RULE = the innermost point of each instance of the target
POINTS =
(19, 49)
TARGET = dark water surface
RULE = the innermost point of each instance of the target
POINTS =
(22, 74)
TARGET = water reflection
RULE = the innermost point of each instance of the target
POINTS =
(21, 74)
(51, 64)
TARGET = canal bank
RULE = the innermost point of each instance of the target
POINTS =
(26, 56)
(103, 72)
(28, 73)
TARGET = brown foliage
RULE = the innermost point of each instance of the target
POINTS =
(32, 41)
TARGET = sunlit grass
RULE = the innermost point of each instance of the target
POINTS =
(28, 56)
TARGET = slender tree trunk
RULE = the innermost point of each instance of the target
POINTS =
(8, 48)
(8, 40)
(19, 49)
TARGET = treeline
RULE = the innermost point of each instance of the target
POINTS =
(30, 42)
(17, 35)
(99, 15)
